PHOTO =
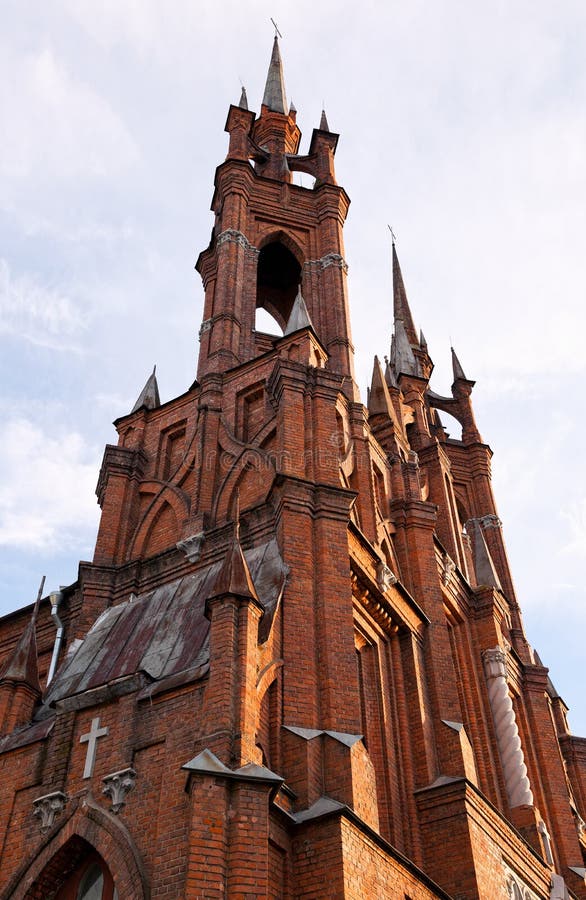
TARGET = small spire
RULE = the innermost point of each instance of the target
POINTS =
(234, 576)
(457, 368)
(22, 666)
(379, 400)
(299, 317)
(422, 341)
(323, 122)
(243, 104)
(292, 109)
(484, 569)
(400, 303)
(389, 374)
(149, 396)
(274, 96)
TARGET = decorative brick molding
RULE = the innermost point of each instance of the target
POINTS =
(117, 786)
(507, 733)
(48, 807)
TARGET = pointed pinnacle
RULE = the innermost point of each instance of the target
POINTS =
(485, 571)
(23, 666)
(457, 368)
(299, 317)
(323, 122)
(422, 341)
(389, 374)
(400, 303)
(274, 96)
(379, 400)
(243, 103)
(149, 396)
(234, 576)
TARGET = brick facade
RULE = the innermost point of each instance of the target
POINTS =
(296, 666)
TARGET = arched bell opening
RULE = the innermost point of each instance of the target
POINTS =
(277, 281)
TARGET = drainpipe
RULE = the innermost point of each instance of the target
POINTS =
(55, 597)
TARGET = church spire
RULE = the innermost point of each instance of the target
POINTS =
(400, 303)
(274, 96)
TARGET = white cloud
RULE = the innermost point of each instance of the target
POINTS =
(47, 500)
(58, 125)
(574, 514)
(36, 313)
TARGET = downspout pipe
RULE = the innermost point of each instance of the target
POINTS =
(56, 597)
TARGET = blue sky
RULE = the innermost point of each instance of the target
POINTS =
(461, 124)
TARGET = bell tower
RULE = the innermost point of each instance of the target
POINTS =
(272, 238)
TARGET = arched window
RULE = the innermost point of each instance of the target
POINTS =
(277, 281)
(91, 880)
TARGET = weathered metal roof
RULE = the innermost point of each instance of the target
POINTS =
(164, 632)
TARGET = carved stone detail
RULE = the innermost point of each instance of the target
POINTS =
(48, 807)
(505, 724)
(117, 786)
(385, 577)
(515, 887)
(449, 566)
(191, 546)
(490, 521)
(330, 259)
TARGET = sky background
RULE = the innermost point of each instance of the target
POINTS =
(462, 125)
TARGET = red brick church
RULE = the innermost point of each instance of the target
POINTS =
(296, 666)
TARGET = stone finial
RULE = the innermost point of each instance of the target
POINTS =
(48, 807)
(323, 122)
(243, 102)
(117, 786)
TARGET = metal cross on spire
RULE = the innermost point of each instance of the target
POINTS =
(393, 235)
(277, 32)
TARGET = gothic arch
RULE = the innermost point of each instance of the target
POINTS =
(85, 826)
(240, 478)
(282, 237)
(163, 495)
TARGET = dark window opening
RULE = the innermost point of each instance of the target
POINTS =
(278, 278)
